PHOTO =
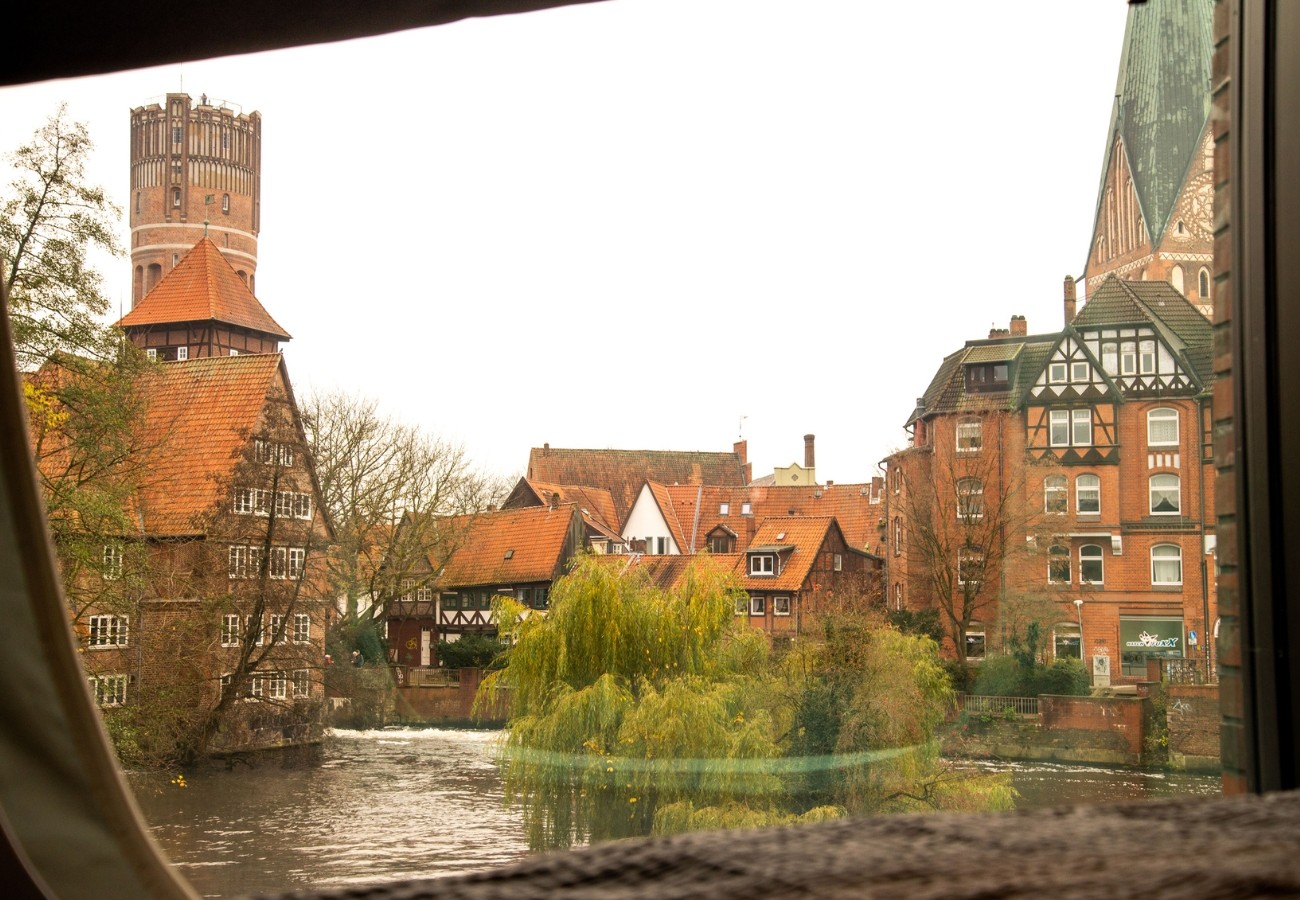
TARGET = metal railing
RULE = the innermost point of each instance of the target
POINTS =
(416, 677)
(982, 704)
(1189, 671)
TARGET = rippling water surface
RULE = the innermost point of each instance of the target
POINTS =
(385, 805)
(415, 803)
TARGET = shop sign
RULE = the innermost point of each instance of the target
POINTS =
(1161, 636)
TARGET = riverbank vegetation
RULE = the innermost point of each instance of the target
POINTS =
(638, 710)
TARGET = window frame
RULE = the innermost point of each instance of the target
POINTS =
(1090, 559)
(1154, 419)
(231, 632)
(970, 556)
(777, 603)
(970, 500)
(1176, 559)
(1058, 556)
(105, 631)
(119, 685)
(1092, 489)
(969, 435)
(762, 565)
(1177, 493)
(757, 605)
(1053, 485)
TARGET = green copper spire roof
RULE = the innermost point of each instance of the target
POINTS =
(1162, 102)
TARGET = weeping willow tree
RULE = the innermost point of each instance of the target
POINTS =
(867, 703)
(637, 710)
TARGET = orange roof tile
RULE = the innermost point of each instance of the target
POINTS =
(200, 414)
(203, 287)
(622, 472)
(804, 534)
(666, 572)
(596, 504)
(508, 546)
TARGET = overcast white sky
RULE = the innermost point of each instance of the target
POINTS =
(629, 224)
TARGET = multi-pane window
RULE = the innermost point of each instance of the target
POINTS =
(762, 564)
(975, 644)
(757, 606)
(780, 606)
(275, 453)
(112, 561)
(1055, 494)
(1090, 565)
(250, 501)
(1066, 641)
(277, 628)
(970, 435)
(109, 631)
(301, 628)
(109, 690)
(1165, 495)
(1070, 427)
(1087, 494)
(1147, 357)
(1059, 427)
(1162, 427)
(285, 562)
(898, 536)
(293, 504)
(301, 684)
(1166, 564)
(270, 686)
(417, 590)
(837, 562)
(970, 566)
(1081, 427)
(1128, 359)
(1058, 564)
(260, 634)
(230, 630)
(970, 500)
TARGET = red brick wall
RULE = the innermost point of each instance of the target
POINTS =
(1122, 717)
(455, 704)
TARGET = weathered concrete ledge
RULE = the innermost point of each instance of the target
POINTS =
(1193, 847)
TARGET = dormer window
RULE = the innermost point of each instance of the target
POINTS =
(762, 564)
(987, 377)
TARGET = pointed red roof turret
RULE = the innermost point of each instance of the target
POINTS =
(203, 288)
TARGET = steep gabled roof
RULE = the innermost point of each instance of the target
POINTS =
(508, 546)
(595, 504)
(622, 472)
(947, 390)
(1162, 103)
(200, 415)
(1184, 329)
(804, 535)
(666, 572)
(203, 288)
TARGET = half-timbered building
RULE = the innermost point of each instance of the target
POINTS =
(1072, 470)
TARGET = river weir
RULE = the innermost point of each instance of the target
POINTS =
(401, 803)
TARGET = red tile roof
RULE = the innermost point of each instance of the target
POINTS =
(508, 546)
(203, 287)
(200, 416)
(596, 504)
(622, 472)
(666, 572)
(804, 534)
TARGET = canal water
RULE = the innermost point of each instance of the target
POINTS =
(414, 803)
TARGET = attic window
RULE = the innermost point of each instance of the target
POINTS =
(746, 509)
(762, 564)
(987, 377)
(781, 536)
(724, 509)
(510, 554)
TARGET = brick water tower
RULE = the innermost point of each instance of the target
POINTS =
(195, 170)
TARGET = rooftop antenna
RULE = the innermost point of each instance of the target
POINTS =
(741, 428)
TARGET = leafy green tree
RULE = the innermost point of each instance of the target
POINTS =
(51, 221)
(637, 710)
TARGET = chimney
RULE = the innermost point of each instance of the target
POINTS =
(1019, 326)
(996, 332)
(1070, 298)
(741, 449)
(809, 458)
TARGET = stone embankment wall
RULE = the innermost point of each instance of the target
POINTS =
(1194, 717)
(447, 704)
(1098, 730)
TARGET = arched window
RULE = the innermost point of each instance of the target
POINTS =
(1176, 278)
(1056, 495)
(970, 566)
(1203, 282)
(1091, 570)
(1165, 495)
(1058, 564)
(1162, 427)
(1066, 641)
(225, 203)
(1087, 494)
(1166, 564)
(970, 500)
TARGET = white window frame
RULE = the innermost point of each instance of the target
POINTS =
(1147, 357)
(1080, 372)
(762, 564)
(970, 500)
(250, 501)
(270, 686)
(113, 558)
(1087, 556)
(1165, 490)
(976, 637)
(758, 605)
(1081, 418)
(108, 630)
(1156, 418)
(975, 556)
(742, 605)
(1174, 558)
(230, 630)
(182, 353)
(301, 628)
(151, 354)
(260, 637)
(746, 509)
(1128, 358)
(837, 562)
(276, 629)
(1054, 485)
(300, 680)
(970, 435)
(109, 690)
(1110, 357)
(297, 559)
(1056, 554)
(724, 509)
(1058, 373)
(780, 606)
(1058, 419)
(1093, 488)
